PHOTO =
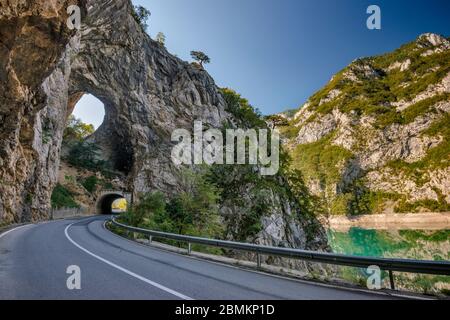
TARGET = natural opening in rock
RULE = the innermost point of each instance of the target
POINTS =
(90, 110)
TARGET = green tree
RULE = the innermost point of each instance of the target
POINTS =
(86, 155)
(195, 211)
(90, 183)
(161, 39)
(77, 130)
(141, 15)
(277, 121)
(200, 57)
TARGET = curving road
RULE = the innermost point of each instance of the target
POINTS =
(34, 260)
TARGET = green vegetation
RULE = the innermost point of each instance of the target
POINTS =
(243, 188)
(242, 110)
(415, 235)
(62, 198)
(77, 130)
(357, 200)
(436, 158)
(90, 184)
(364, 201)
(82, 153)
(406, 244)
(192, 212)
(46, 136)
(372, 95)
(321, 160)
(290, 131)
(440, 128)
(431, 205)
(87, 155)
(277, 121)
(200, 57)
(141, 15)
(161, 39)
(411, 113)
(240, 188)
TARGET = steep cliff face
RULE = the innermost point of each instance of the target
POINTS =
(376, 138)
(147, 93)
(33, 36)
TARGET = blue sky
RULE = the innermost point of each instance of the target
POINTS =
(277, 53)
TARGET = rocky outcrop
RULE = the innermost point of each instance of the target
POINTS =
(146, 91)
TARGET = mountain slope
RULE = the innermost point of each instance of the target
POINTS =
(376, 138)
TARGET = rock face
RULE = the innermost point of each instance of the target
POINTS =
(376, 138)
(33, 36)
(147, 93)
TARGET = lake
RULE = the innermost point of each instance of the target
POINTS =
(407, 244)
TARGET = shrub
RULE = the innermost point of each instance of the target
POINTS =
(150, 204)
(193, 212)
(242, 109)
(76, 130)
(320, 160)
(90, 184)
(62, 198)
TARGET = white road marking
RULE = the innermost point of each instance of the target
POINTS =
(9, 231)
(150, 282)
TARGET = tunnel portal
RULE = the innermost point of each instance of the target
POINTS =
(107, 198)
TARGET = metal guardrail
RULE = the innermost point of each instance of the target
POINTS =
(390, 265)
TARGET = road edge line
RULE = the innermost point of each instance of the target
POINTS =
(130, 273)
(14, 229)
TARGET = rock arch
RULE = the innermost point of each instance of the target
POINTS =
(147, 93)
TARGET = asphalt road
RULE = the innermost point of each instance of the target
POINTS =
(34, 260)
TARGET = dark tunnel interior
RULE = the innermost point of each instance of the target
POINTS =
(104, 204)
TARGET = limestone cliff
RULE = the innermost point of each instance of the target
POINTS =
(33, 36)
(375, 139)
(147, 93)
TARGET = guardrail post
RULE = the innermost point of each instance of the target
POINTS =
(391, 279)
(150, 239)
(258, 260)
(189, 248)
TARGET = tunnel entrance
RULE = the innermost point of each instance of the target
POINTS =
(108, 201)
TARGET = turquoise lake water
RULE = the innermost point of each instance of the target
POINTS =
(406, 244)
(409, 244)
